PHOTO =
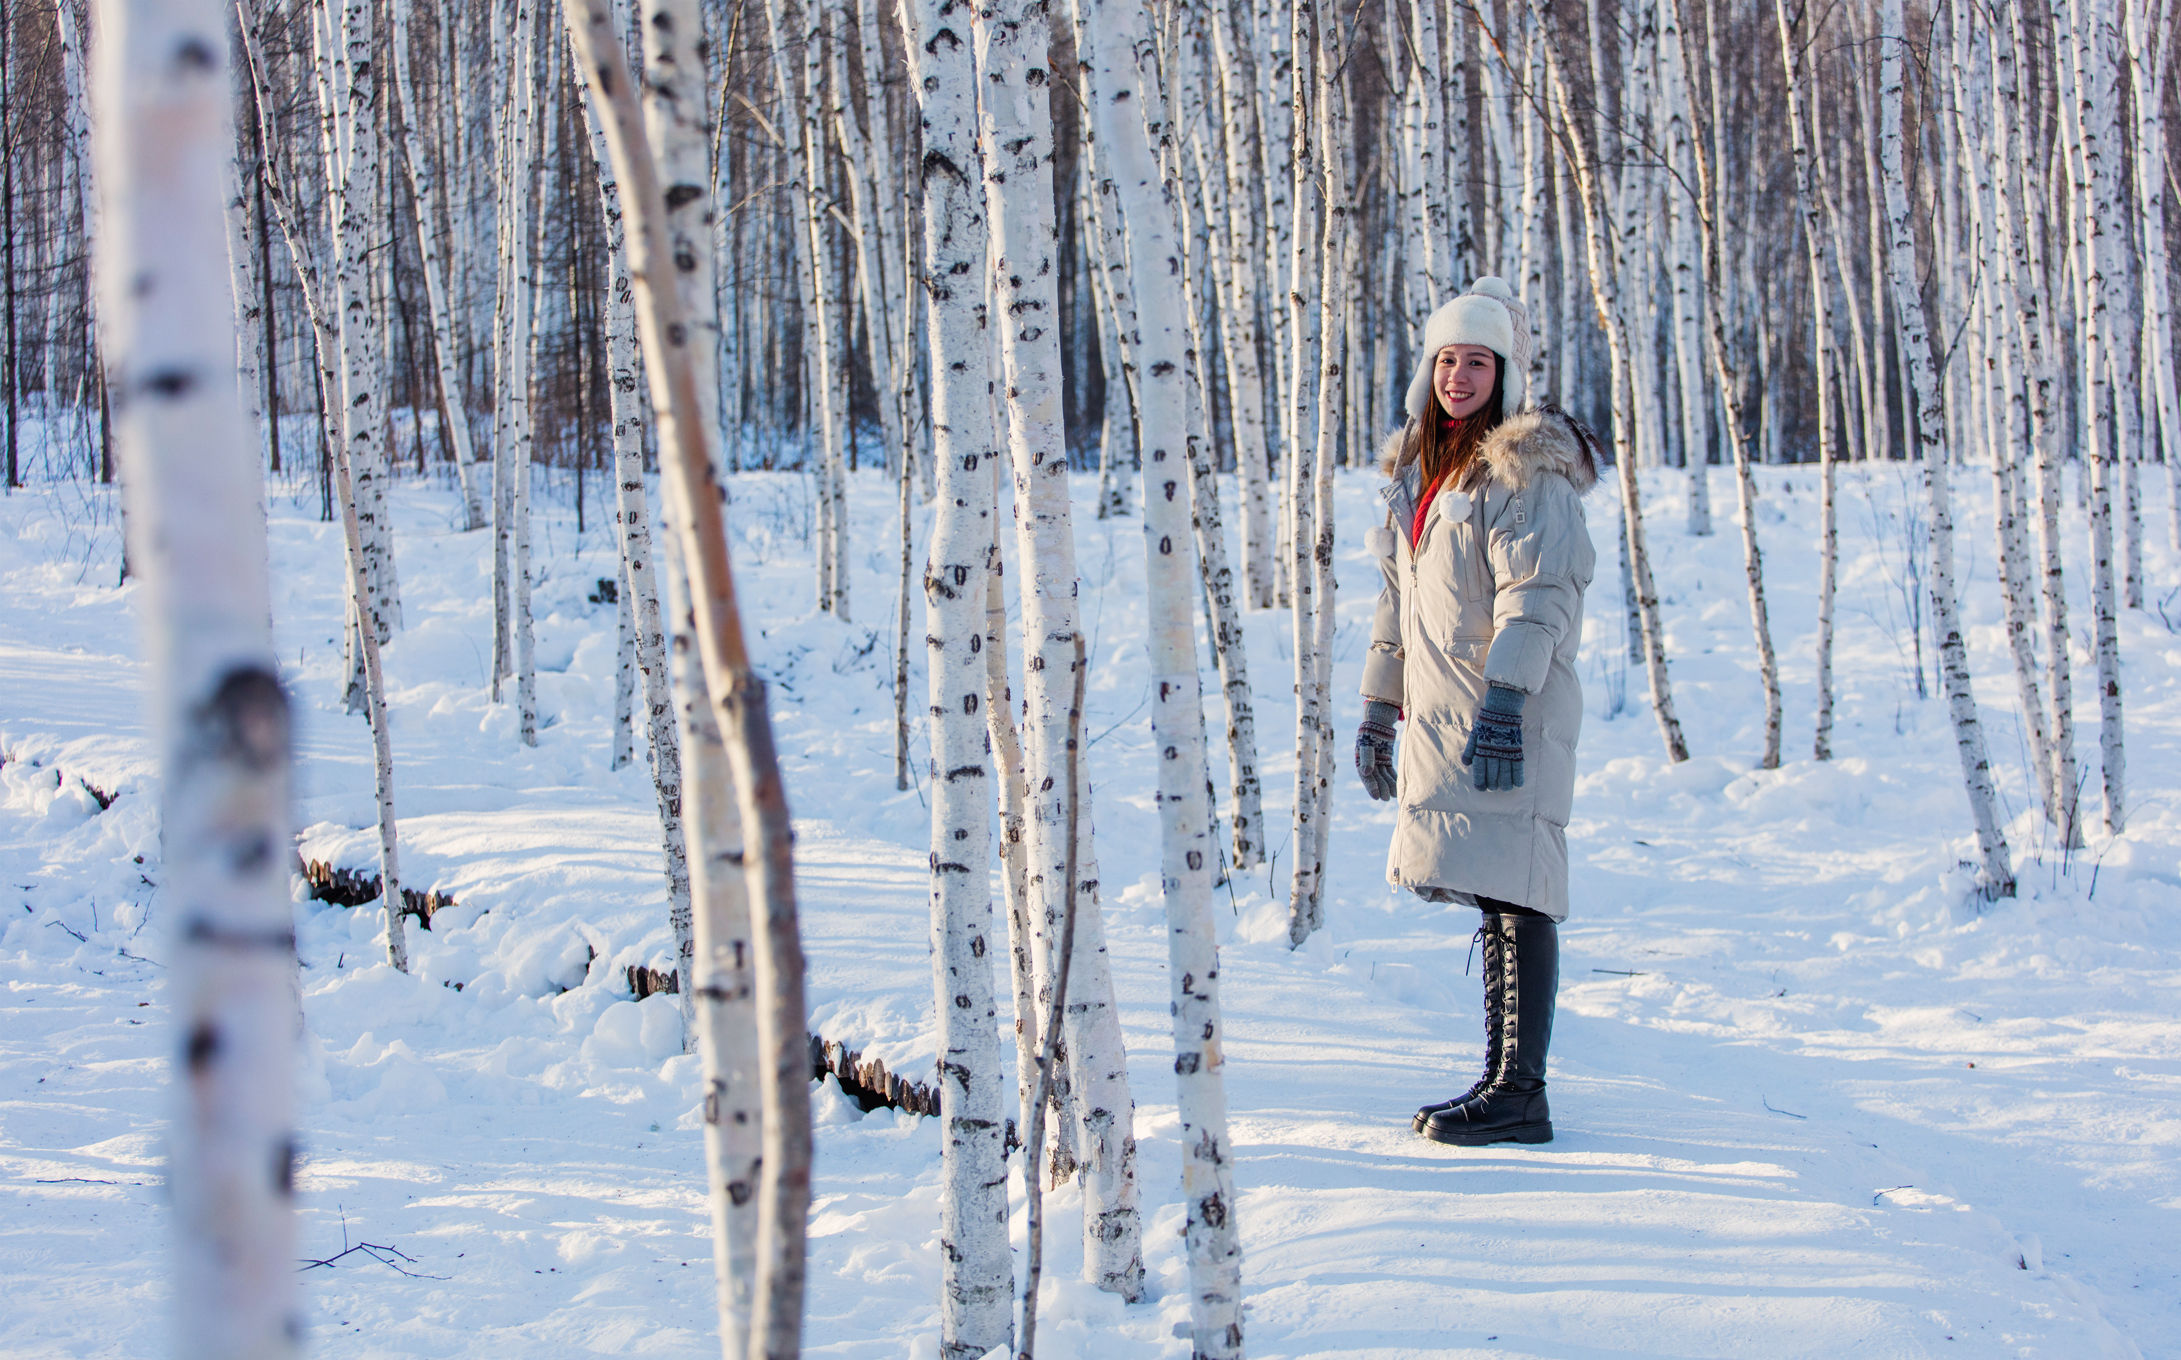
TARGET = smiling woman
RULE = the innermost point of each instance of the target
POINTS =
(1485, 557)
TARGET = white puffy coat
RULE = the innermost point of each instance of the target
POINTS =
(1490, 593)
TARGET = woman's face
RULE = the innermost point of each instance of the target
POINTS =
(1462, 376)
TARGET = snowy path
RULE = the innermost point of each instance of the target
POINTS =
(1808, 1103)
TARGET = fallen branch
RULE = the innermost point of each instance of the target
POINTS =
(864, 1080)
(360, 888)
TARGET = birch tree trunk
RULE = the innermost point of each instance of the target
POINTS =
(2032, 315)
(1026, 940)
(1817, 251)
(225, 782)
(640, 586)
(1234, 242)
(1014, 118)
(1684, 260)
(431, 209)
(2007, 418)
(361, 230)
(2151, 43)
(1998, 873)
(1305, 333)
(1598, 231)
(1129, 95)
(736, 695)
(1336, 267)
(243, 252)
(795, 32)
(2095, 92)
(1731, 390)
(976, 1272)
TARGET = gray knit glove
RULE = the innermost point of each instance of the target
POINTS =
(1374, 749)
(1494, 751)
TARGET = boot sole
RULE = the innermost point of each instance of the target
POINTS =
(1516, 1133)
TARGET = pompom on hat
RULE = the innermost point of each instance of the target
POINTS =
(1487, 315)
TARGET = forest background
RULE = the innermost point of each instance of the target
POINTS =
(1204, 238)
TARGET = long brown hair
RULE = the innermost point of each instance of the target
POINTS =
(1448, 447)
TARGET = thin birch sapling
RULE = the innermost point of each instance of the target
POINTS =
(736, 695)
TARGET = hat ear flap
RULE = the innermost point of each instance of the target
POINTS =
(1419, 397)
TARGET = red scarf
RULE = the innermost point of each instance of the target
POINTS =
(1447, 426)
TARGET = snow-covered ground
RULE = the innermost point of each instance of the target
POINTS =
(1811, 1099)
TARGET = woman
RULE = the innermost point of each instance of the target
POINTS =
(1486, 556)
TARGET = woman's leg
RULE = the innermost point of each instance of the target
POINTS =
(1510, 1104)
(1487, 943)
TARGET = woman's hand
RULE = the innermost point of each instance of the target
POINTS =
(1494, 751)
(1374, 749)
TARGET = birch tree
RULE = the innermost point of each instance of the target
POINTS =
(2105, 260)
(162, 94)
(736, 696)
(976, 1273)
(1998, 872)
(1817, 251)
(428, 190)
(1014, 120)
(1129, 96)
(1599, 231)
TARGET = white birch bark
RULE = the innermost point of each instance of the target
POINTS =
(530, 247)
(511, 338)
(1128, 94)
(1276, 147)
(718, 929)
(1305, 331)
(1599, 230)
(1682, 266)
(428, 189)
(976, 1271)
(248, 296)
(2150, 48)
(1335, 321)
(1235, 234)
(735, 696)
(2006, 415)
(1817, 251)
(795, 32)
(361, 229)
(2021, 210)
(1015, 121)
(1998, 872)
(2095, 93)
(624, 673)
(162, 95)
(1731, 389)
(1027, 941)
(647, 649)
(1531, 207)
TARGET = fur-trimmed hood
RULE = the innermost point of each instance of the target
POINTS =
(1518, 449)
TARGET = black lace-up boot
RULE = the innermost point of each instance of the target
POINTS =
(1509, 1105)
(1487, 942)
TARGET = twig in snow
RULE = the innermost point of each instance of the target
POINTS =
(1622, 972)
(80, 939)
(1889, 1190)
(373, 1250)
(1777, 1110)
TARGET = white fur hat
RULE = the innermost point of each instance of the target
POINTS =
(1486, 315)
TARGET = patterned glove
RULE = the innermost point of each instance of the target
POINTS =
(1374, 749)
(1494, 752)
